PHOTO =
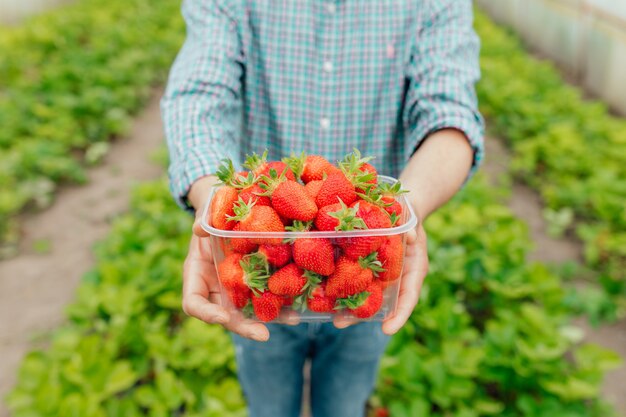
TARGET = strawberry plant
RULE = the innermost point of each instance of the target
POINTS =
(570, 150)
(491, 333)
(70, 80)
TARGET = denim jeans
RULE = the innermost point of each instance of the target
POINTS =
(344, 365)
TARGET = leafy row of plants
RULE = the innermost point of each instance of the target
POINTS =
(128, 349)
(70, 80)
(569, 149)
(489, 337)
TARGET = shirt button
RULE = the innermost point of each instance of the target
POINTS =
(331, 8)
(325, 123)
(328, 66)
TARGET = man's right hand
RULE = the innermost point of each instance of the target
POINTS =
(201, 289)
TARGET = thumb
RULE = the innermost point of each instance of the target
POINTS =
(411, 237)
(197, 228)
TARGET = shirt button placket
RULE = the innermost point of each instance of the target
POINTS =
(327, 65)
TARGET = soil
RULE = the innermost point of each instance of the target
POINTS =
(35, 287)
(527, 205)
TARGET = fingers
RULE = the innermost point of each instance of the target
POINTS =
(199, 307)
(197, 226)
(406, 303)
(343, 320)
(411, 237)
(249, 330)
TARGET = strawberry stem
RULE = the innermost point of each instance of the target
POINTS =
(255, 161)
(348, 219)
(354, 301)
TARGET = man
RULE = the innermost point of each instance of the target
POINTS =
(392, 78)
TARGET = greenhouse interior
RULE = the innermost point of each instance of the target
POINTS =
(509, 299)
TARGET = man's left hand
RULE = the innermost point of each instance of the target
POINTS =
(413, 274)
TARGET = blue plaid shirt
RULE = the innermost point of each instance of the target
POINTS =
(322, 76)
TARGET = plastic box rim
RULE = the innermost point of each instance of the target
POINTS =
(411, 223)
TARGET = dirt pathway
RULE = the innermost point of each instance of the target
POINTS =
(34, 287)
(526, 205)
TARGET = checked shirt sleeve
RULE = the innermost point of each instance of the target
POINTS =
(201, 107)
(442, 73)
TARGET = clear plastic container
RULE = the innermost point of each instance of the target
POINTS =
(221, 245)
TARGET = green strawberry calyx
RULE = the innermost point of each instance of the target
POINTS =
(353, 302)
(296, 163)
(348, 219)
(372, 263)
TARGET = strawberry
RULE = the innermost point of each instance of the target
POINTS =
(313, 188)
(253, 218)
(289, 198)
(260, 167)
(292, 280)
(222, 207)
(352, 277)
(374, 218)
(365, 304)
(276, 255)
(319, 301)
(231, 273)
(252, 194)
(392, 206)
(288, 301)
(239, 273)
(336, 187)
(314, 254)
(267, 305)
(311, 253)
(338, 217)
(309, 168)
(241, 244)
(287, 281)
(358, 171)
(240, 298)
(366, 169)
(389, 192)
(391, 256)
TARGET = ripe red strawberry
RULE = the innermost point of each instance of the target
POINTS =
(358, 171)
(288, 301)
(240, 298)
(365, 304)
(392, 205)
(240, 273)
(366, 169)
(276, 255)
(241, 244)
(391, 256)
(338, 217)
(374, 218)
(260, 167)
(336, 187)
(287, 281)
(251, 194)
(231, 274)
(289, 198)
(267, 305)
(222, 207)
(309, 168)
(313, 188)
(352, 277)
(314, 254)
(388, 201)
(253, 218)
(319, 301)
